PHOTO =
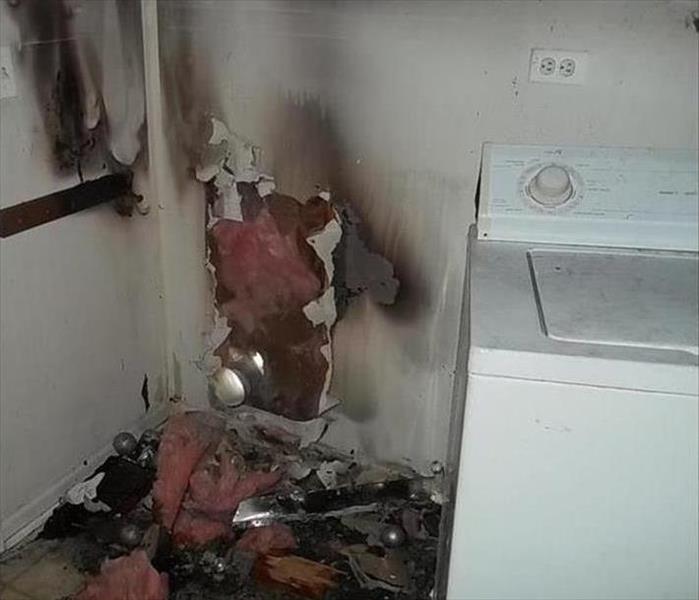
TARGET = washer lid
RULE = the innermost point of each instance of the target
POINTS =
(641, 300)
(600, 317)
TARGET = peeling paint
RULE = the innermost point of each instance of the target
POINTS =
(322, 309)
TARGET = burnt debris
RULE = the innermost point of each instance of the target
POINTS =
(168, 529)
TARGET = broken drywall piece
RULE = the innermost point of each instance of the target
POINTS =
(227, 160)
(246, 420)
(266, 185)
(329, 471)
(219, 132)
(322, 310)
(242, 160)
(227, 202)
(372, 571)
(214, 153)
(227, 151)
(85, 490)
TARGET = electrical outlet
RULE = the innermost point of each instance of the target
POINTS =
(558, 66)
(8, 89)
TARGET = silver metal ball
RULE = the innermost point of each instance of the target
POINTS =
(146, 458)
(125, 443)
(437, 467)
(392, 536)
(219, 565)
(150, 437)
(297, 495)
(230, 387)
(130, 535)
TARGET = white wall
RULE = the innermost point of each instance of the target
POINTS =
(80, 317)
(393, 101)
(389, 103)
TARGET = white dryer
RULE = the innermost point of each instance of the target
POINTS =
(579, 469)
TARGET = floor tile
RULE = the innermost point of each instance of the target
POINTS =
(50, 578)
(7, 593)
(18, 560)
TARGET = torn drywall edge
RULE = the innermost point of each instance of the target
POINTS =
(326, 401)
(323, 309)
(219, 331)
(227, 203)
(229, 159)
(227, 151)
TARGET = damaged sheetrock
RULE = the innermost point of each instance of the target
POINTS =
(247, 419)
(272, 261)
(323, 309)
(280, 268)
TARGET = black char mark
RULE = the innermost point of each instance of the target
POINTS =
(144, 393)
(47, 35)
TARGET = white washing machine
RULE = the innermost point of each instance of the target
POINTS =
(579, 473)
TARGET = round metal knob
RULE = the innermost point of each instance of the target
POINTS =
(130, 535)
(230, 386)
(551, 186)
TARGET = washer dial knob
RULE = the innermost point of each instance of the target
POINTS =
(551, 186)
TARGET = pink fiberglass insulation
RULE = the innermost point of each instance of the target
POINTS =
(264, 268)
(201, 479)
(129, 577)
(276, 538)
(267, 272)
(192, 529)
(185, 440)
(220, 482)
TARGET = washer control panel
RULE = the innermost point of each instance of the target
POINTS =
(628, 197)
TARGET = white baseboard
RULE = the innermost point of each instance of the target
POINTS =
(29, 518)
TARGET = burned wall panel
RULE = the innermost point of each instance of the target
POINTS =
(79, 295)
(388, 104)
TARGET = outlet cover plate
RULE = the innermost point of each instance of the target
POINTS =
(539, 75)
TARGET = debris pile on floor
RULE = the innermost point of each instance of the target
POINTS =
(212, 509)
